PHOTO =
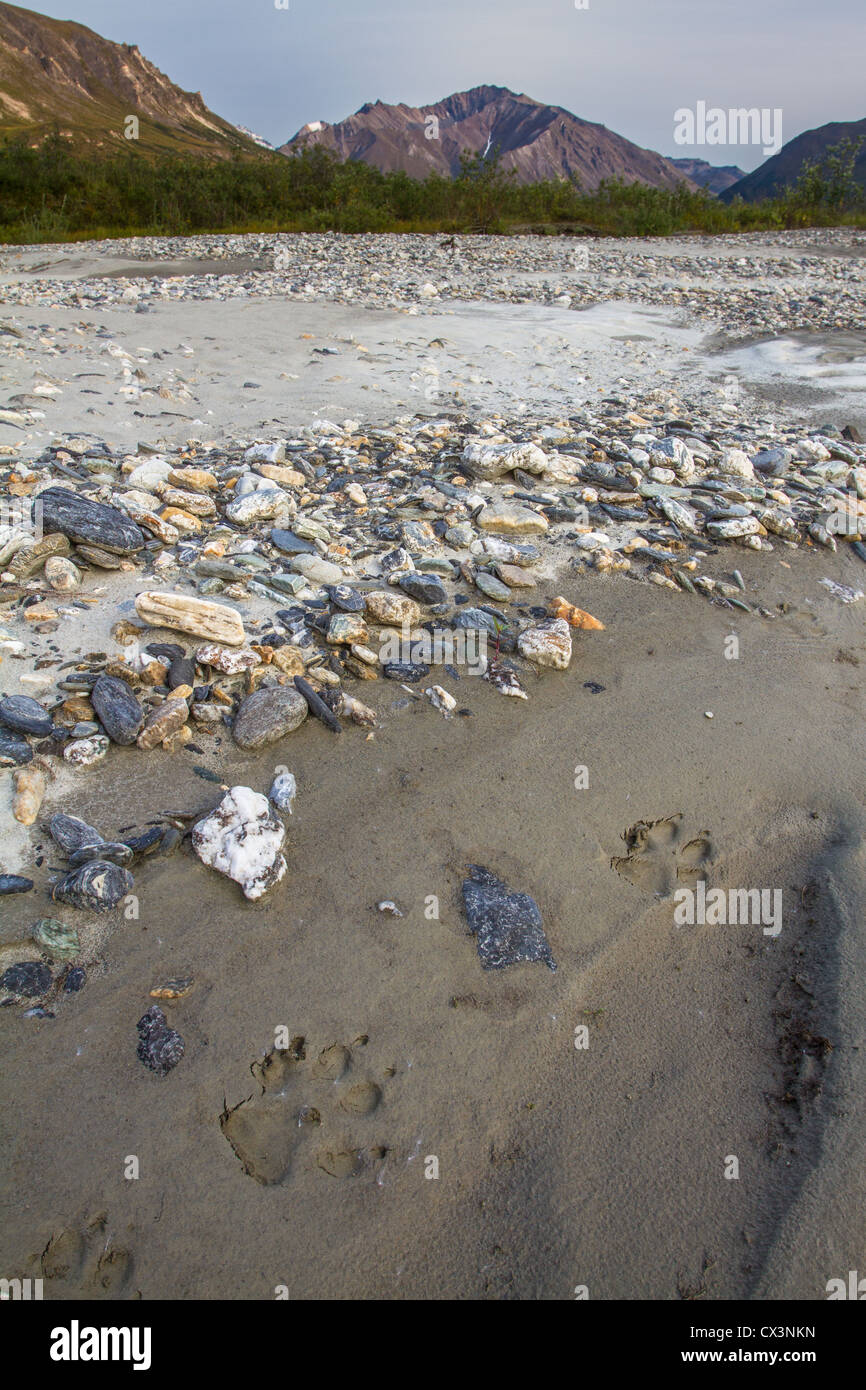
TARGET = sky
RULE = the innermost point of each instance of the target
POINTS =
(629, 64)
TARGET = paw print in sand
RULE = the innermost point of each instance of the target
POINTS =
(306, 1104)
(657, 860)
(83, 1261)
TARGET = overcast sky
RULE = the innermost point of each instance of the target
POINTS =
(629, 64)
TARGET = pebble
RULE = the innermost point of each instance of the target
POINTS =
(199, 618)
(547, 644)
(92, 523)
(159, 1047)
(59, 941)
(28, 979)
(25, 715)
(117, 708)
(283, 791)
(14, 883)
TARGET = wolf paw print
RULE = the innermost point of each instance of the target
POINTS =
(657, 859)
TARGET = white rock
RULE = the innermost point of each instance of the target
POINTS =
(266, 453)
(283, 791)
(547, 644)
(243, 839)
(734, 463)
(260, 504)
(196, 616)
(495, 460)
(150, 474)
(317, 570)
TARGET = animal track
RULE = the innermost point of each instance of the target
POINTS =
(268, 1131)
(657, 860)
(84, 1260)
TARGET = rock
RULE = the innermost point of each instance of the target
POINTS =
(14, 749)
(199, 618)
(100, 558)
(316, 570)
(193, 479)
(508, 518)
(423, 588)
(409, 671)
(344, 597)
(85, 752)
(283, 791)
(159, 1047)
(492, 588)
(63, 576)
(31, 559)
(173, 989)
(75, 979)
(243, 839)
(289, 659)
(25, 716)
(115, 851)
(230, 661)
(734, 463)
(262, 505)
(14, 883)
(508, 927)
(734, 527)
(772, 462)
(346, 628)
(29, 791)
(96, 887)
(521, 555)
(317, 706)
(150, 474)
(56, 939)
(515, 577)
(547, 644)
(268, 715)
(476, 620)
(91, 523)
(163, 721)
(28, 978)
(393, 609)
(575, 617)
(290, 544)
(117, 709)
(493, 461)
(72, 834)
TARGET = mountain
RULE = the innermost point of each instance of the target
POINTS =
(783, 169)
(715, 178)
(539, 141)
(55, 73)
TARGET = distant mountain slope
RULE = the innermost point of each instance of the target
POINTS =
(783, 169)
(714, 177)
(540, 142)
(57, 73)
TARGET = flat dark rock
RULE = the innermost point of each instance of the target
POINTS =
(14, 883)
(344, 597)
(25, 716)
(160, 1048)
(409, 671)
(181, 672)
(14, 748)
(114, 851)
(97, 887)
(317, 705)
(290, 544)
(424, 588)
(72, 834)
(90, 523)
(507, 926)
(29, 978)
(117, 709)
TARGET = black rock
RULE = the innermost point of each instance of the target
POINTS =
(14, 749)
(114, 851)
(317, 705)
(773, 462)
(97, 887)
(25, 716)
(343, 596)
(14, 883)
(117, 709)
(473, 619)
(72, 834)
(92, 523)
(290, 544)
(409, 671)
(160, 1048)
(424, 588)
(165, 651)
(139, 845)
(181, 672)
(507, 926)
(75, 979)
(29, 978)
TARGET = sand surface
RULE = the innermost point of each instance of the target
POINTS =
(558, 1166)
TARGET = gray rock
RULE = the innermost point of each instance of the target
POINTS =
(25, 716)
(267, 715)
(160, 1048)
(96, 887)
(507, 926)
(72, 834)
(423, 588)
(29, 979)
(14, 749)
